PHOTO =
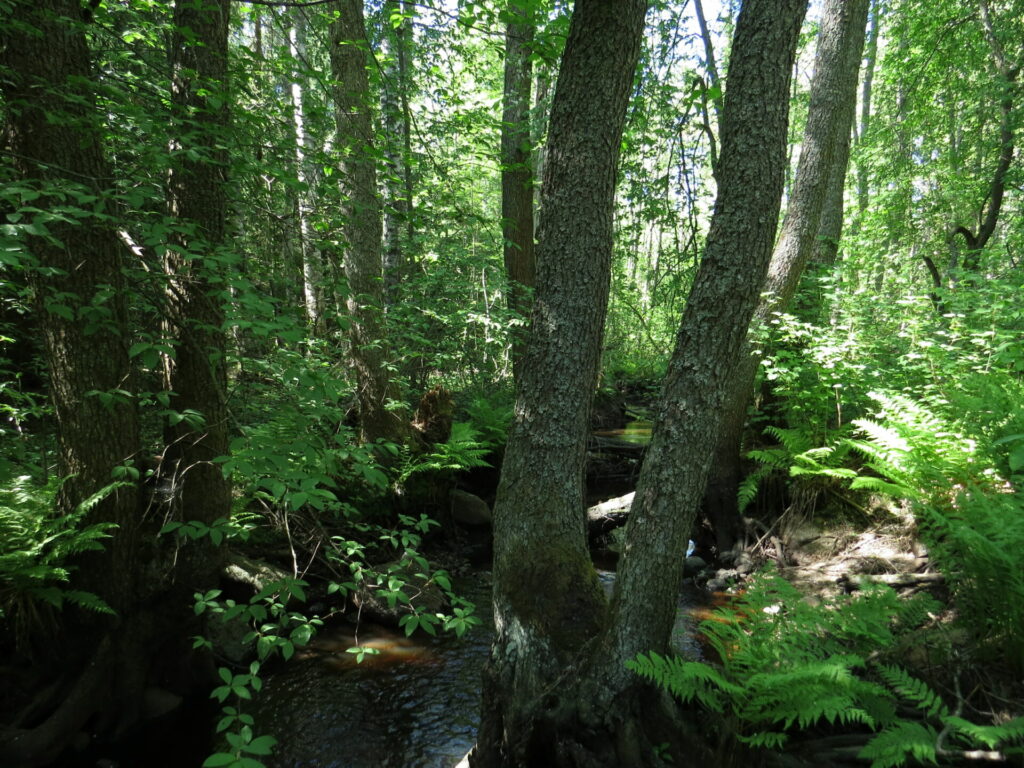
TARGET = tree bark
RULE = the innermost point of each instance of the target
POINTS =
(866, 92)
(517, 172)
(398, 224)
(711, 335)
(361, 230)
(833, 87)
(547, 599)
(55, 133)
(56, 140)
(311, 269)
(197, 199)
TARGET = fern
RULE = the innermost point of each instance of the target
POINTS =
(463, 450)
(992, 736)
(923, 452)
(900, 741)
(35, 548)
(913, 690)
(787, 664)
(797, 456)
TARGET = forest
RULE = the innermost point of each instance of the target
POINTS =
(511, 383)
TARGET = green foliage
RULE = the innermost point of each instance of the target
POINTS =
(787, 664)
(36, 548)
(904, 740)
(797, 456)
(966, 512)
(464, 449)
(294, 450)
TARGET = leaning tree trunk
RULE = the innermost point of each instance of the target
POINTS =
(547, 600)
(361, 230)
(710, 337)
(833, 87)
(197, 199)
(55, 134)
(517, 171)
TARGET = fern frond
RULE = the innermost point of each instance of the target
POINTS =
(687, 680)
(912, 690)
(992, 736)
(765, 740)
(906, 738)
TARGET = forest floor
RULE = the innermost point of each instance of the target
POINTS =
(826, 554)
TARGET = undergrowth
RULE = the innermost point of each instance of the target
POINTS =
(788, 666)
(36, 549)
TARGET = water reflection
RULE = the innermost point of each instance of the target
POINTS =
(638, 432)
(415, 705)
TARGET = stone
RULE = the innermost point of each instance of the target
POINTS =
(694, 565)
(422, 595)
(469, 509)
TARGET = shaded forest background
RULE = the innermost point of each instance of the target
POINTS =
(266, 277)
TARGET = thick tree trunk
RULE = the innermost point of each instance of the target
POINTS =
(197, 198)
(833, 89)
(547, 599)
(517, 172)
(55, 133)
(361, 231)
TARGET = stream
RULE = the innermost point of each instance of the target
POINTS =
(415, 705)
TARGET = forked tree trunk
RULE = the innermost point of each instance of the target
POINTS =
(556, 690)
(712, 333)
(197, 198)
(362, 229)
(833, 88)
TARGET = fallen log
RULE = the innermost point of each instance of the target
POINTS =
(610, 514)
(894, 580)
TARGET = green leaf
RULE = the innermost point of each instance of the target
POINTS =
(219, 759)
(261, 745)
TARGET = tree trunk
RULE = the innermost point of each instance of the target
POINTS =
(866, 92)
(311, 271)
(712, 333)
(361, 231)
(714, 82)
(56, 140)
(547, 599)
(988, 213)
(197, 199)
(517, 172)
(398, 228)
(833, 87)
